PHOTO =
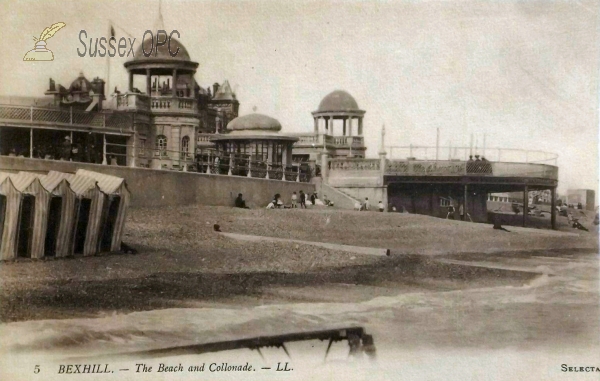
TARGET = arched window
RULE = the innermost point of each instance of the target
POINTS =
(161, 145)
(185, 145)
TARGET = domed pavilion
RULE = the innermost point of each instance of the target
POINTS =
(256, 137)
(338, 105)
(338, 131)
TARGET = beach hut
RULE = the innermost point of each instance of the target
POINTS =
(84, 222)
(10, 200)
(113, 210)
(33, 214)
(60, 214)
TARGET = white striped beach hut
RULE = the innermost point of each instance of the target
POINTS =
(33, 216)
(84, 222)
(9, 217)
(114, 209)
(60, 215)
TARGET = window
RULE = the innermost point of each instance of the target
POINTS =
(260, 151)
(161, 145)
(142, 151)
(444, 202)
(277, 153)
(185, 145)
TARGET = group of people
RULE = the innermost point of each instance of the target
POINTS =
(452, 210)
(302, 199)
(366, 205)
(298, 200)
(478, 165)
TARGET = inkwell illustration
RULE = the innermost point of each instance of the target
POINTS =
(40, 52)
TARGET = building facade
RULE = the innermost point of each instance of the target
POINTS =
(587, 198)
(158, 124)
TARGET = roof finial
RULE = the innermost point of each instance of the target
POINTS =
(160, 21)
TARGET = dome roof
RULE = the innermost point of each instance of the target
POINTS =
(253, 122)
(339, 100)
(162, 52)
(80, 84)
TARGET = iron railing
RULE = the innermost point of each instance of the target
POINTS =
(494, 154)
(475, 168)
(32, 115)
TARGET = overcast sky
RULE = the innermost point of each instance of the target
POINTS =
(525, 73)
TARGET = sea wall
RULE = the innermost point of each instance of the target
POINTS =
(152, 187)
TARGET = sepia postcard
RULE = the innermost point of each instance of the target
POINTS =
(299, 190)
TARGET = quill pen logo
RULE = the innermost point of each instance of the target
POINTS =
(40, 52)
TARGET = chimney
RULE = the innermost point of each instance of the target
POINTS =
(98, 86)
(215, 88)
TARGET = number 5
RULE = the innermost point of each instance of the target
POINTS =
(36, 370)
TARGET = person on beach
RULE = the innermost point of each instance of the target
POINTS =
(451, 211)
(240, 203)
(367, 205)
(461, 211)
(380, 206)
(302, 200)
(294, 200)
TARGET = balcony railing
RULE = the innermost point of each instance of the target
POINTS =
(173, 104)
(134, 101)
(355, 164)
(203, 140)
(60, 117)
(318, 140)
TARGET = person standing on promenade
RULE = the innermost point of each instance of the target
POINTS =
(461, 211)
(294, 200)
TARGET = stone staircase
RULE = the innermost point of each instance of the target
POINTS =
(340, 199)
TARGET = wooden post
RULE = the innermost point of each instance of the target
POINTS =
(465, 202)
(525, 205)
(31, 143)
(553, 208)
(148, 83)
(104, 161)
(174, 89)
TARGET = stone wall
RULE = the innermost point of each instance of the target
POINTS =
(150, 187)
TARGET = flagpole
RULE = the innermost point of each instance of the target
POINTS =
(111, 31)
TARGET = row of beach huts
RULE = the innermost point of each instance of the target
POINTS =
(61, 214)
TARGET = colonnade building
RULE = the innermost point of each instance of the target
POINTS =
(156, 122)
